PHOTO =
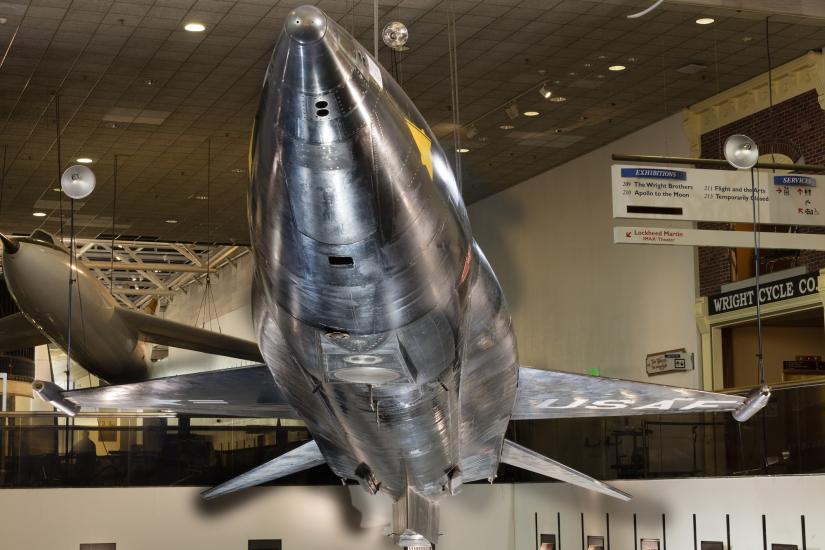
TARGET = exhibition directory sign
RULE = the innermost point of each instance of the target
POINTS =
(717, 195)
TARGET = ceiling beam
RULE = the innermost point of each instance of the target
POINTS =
(126, 291)
(137, 266)
(803, 8)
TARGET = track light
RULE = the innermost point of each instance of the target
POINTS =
(512, 110)
(545, 92)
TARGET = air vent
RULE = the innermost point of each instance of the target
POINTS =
(692, 68)
(341, 261)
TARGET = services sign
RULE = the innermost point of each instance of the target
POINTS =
(669, 361)
(775, 291)
(717, 195)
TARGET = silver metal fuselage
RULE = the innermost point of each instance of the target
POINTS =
(376, 312)
(38, 278)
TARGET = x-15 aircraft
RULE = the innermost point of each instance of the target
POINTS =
(380, 321)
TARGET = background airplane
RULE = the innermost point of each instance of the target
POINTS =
(107, 340)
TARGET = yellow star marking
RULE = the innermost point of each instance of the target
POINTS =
(424, 145)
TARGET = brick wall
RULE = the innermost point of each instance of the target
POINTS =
(795, 128)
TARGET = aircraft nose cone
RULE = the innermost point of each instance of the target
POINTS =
(9, 246)
(306, 24)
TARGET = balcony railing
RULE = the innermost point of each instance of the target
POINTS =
(117, 449)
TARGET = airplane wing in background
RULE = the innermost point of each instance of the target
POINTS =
(241, 392)
(178, 335)
(554, 394)
(16, 332)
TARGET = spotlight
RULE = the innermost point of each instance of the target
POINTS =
(39, 214)
(531, 113)
(506, 126)
(78, 181)
(545, 92)
(84, 160)
(463, 150)
(395, 35)
(512, 110)
(705, 20)
(195, 27)
(741, 152)
(616, 68)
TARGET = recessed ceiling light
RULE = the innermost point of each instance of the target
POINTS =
(171, 221)
(705, 20)
(84, 160)
(200, 197)
(39, 214)
(572, 73)
(747, 38)
(463, 150)
(558, 99)
(588, 65)
(195, 27)
(616, 68)
(238, 170)
(602, 57)
(599, 76)
(631, 59)
(3, 20)
(531, 113)
(506, 126)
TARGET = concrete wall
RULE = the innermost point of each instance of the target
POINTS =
(482, 517)
(578, 300)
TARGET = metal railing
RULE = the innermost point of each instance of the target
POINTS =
(139, 449)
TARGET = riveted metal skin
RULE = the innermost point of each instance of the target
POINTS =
(364, 256)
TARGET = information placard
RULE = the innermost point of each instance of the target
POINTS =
(717, 195)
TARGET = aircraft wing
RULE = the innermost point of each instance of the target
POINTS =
(178, 335)
(526, 459)
(554, 394)
(302, 458)
(17, 332)
(242, 392)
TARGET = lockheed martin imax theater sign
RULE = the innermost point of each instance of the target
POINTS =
(775, 291)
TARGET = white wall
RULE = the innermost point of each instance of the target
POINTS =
(782, 499)
(482, 517)
(231, 292)
(578, 300)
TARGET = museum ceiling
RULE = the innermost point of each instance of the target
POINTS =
(133, 83)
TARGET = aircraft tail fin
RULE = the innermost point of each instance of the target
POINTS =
(303, 458)
(415, 520)
(522, 457)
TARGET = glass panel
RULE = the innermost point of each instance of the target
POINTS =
(117, 449)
